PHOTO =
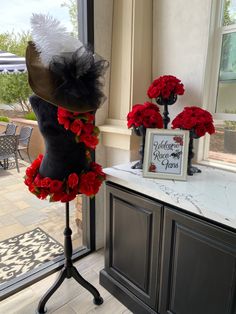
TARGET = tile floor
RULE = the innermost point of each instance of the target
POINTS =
(70, 298)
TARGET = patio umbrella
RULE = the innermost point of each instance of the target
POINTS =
(11, 63)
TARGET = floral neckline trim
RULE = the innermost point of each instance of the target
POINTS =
(81, 124)
(88, 183)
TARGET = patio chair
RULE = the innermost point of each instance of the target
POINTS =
(8, 148)
(10, 129)
(24, 140)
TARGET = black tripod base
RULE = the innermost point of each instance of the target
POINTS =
(68, 272)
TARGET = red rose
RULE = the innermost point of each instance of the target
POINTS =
(89, 184)
(56, 197)
(68, 197)
(89, 140)
(61, 112)
(28, 181)
(56, 186)
(42, 194)
(89, 117)
(76, 126)
(88, 128)
(73, 180)
(38, 180)
(97, 169)
(30, 172)
(37, 162)
(64, 117)
(152, 168)
(45, 183)
(32, 189)
(65, 122)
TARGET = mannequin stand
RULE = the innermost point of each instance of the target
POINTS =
(68, 271)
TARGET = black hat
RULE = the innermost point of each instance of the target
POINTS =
(61, 70)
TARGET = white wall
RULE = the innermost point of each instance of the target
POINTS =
(180, 43)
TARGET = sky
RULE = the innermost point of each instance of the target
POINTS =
(16, 14)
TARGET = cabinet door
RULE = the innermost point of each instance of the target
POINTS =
(132, 243)
(198, 267)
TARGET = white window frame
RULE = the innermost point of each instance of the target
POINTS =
(216, 32)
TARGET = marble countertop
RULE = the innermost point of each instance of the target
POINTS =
(210, 194)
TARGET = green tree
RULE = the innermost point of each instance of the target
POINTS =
(71, 5)
(14, 88)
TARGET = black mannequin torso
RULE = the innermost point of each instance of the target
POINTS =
(63, 155)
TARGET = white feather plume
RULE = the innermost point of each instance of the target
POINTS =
(51, 38)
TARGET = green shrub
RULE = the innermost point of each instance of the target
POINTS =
(4, 119)
(30, 116)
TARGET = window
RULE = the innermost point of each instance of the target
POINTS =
(33, 227)
(220, 148)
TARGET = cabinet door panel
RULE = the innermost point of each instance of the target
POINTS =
(198, 267)
(133, 241)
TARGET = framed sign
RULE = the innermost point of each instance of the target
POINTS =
(166, 154)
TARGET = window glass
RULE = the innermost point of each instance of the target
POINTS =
(223, 142)
(229, 16)
(31, 229)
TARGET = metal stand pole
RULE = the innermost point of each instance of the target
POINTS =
(68, 271)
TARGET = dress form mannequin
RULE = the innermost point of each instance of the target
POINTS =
(63, 155)
(63, 73)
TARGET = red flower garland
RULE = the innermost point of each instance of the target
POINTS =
(164, 86)
(87, 183)
(81, 124)
(147, 115)
(195, 119)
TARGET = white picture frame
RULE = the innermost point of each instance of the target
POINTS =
(166, 154)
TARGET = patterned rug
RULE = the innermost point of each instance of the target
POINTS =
(26, 252)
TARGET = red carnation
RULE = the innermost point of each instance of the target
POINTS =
(165, 86)
(73, 180)
(195, 119)
(147, 115)
(134, 117)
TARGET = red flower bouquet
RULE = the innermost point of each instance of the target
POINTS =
(88, 183)
(81, 124)
(146, 115)
(195, 119)
(165, 87)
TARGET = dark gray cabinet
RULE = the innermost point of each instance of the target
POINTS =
(132, 245)
(161, 260)
(198, 267)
